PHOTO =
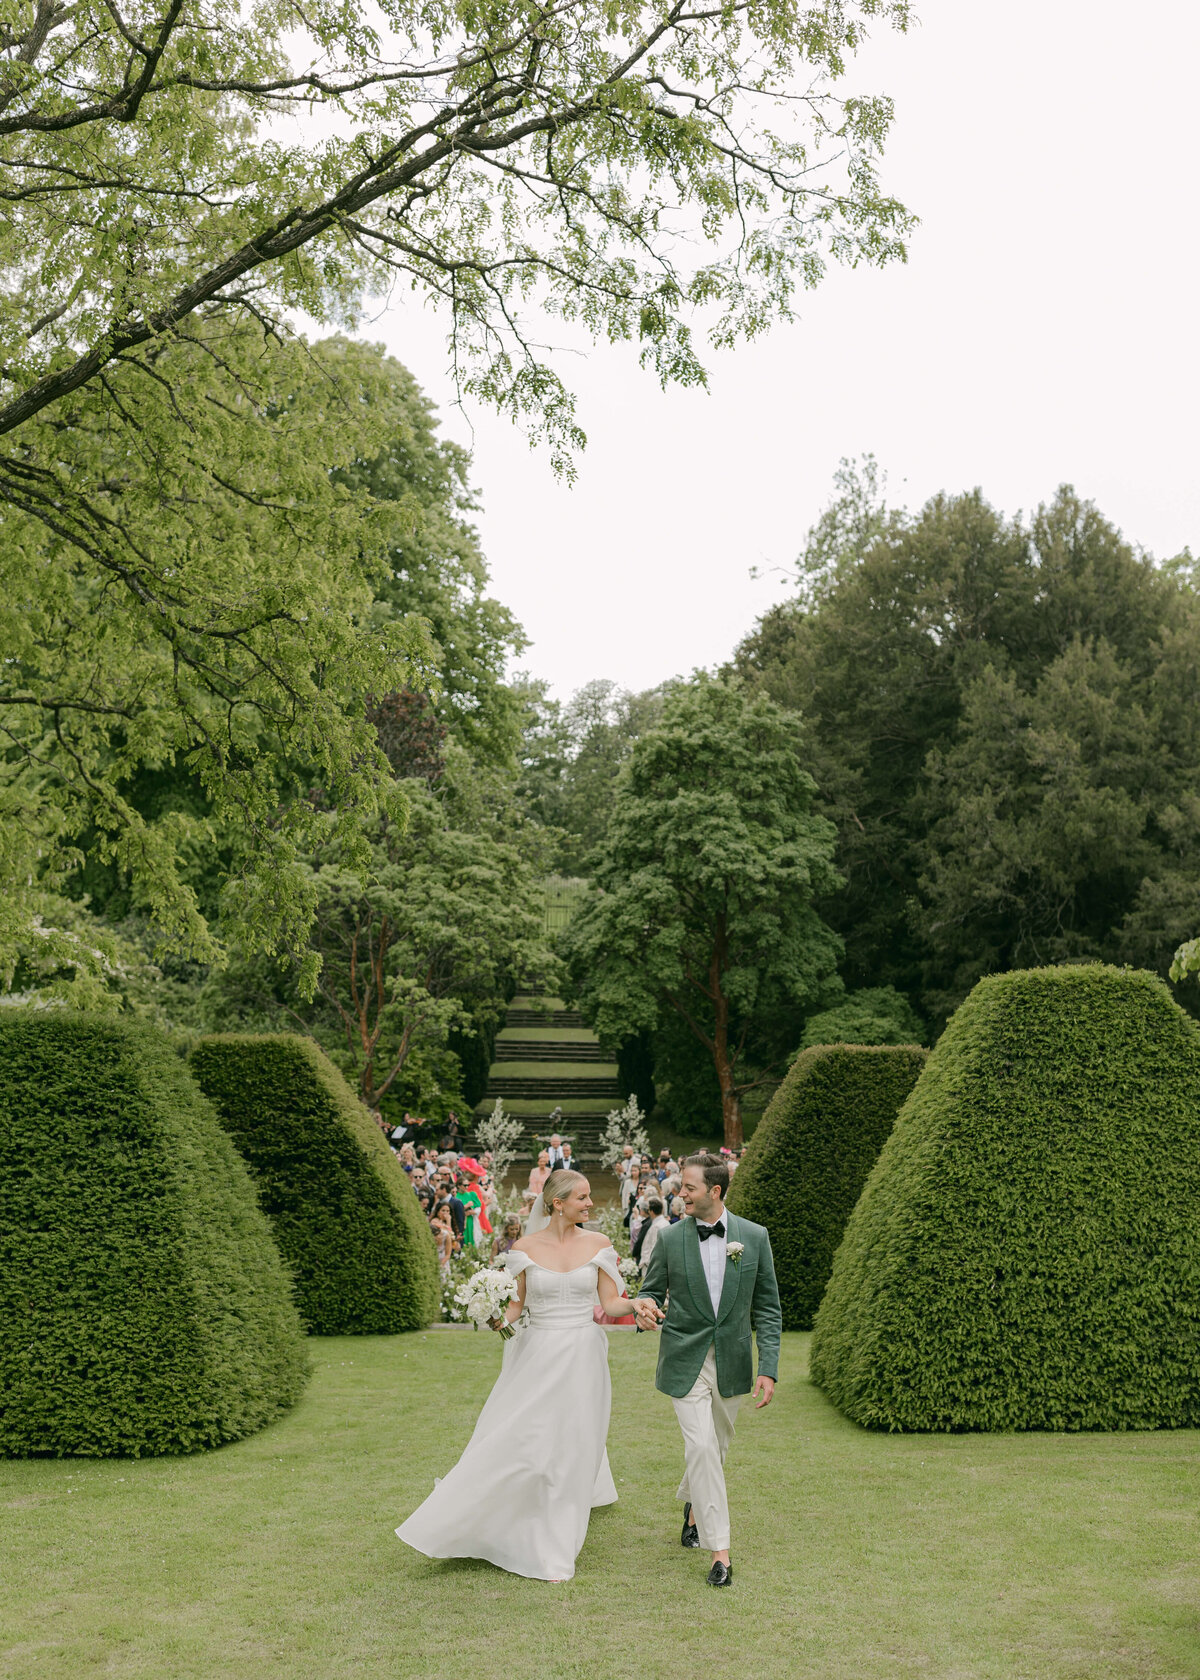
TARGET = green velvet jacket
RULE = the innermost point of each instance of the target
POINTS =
(749, 1303)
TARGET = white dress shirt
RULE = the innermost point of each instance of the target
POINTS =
(713, 1255)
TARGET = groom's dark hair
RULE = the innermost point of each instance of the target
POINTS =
(716, 1171)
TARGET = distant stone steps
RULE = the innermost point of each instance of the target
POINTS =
(548, 1050)
(551, 1090)
(525, 1041)
(583, 1130)
(544, 1018)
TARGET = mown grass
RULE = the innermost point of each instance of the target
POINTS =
(857, 1556)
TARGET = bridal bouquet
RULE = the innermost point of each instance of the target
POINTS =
(485, 1295)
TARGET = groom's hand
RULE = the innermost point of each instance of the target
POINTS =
(648, 1315)
(766, 1387)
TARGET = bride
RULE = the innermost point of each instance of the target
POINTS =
(521, 1494)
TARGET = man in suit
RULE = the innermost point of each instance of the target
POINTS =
(718, 1271)
(556, 1153)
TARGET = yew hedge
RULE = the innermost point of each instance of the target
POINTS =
(1026, 1252)
(810, 1156)
(144, 1308)
(342, 1209)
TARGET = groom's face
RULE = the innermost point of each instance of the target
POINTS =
(701, 1202)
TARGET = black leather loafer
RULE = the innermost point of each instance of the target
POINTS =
(690, 1536)
(720, 1575)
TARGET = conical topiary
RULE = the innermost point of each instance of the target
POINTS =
(342, 1209)
(1026, 1252)
(810, 1155)
(144, 1307)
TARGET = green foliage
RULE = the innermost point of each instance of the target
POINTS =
(190, 641)
(143, 1305)
(705, 887)
(810, 1155)
(1003, 720)
(572, 756)
(436, 570)
(342, 1209)
(1026, 1252)
(428, 940)
(872, 1015)
(485, 155)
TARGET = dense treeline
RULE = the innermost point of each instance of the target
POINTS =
(1002, 718)
(981, 737)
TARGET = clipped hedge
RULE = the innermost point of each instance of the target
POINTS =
(144, 1307)
(1026, 1253)
(344, 1214)
(810, 1156)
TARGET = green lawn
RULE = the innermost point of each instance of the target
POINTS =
(857, 1557)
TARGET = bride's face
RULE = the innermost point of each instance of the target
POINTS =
(578, 1204)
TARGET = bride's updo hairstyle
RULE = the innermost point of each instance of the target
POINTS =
(560, 1185)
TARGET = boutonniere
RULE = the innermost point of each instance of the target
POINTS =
(734, 1251)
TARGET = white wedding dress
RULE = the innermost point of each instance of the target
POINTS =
(521, 1494)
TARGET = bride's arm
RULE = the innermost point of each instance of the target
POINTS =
(616, 1304)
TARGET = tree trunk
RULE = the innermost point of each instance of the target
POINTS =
(731, 1108)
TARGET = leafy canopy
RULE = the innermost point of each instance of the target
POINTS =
(429, 936)
(173, 163)
(705, 886)
(871, 1015)
(1001, 719)
(199, 598)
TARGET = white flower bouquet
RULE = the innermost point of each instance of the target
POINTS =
(629, 1270)
(485, 1295)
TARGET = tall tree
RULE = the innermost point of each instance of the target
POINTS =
(433, 934)
(989, 722)
(705, 885)
(574, 753)
(222, 623)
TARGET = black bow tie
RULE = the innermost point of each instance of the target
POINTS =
(706, 1231)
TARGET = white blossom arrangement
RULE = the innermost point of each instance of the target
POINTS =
(485, 1295)
(734, 1251)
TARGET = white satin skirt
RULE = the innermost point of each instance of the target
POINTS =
(522, 1492)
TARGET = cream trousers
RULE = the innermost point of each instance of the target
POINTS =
(707, 1419)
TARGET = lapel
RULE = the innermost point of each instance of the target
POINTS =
(733, 1272)
(697, 1282)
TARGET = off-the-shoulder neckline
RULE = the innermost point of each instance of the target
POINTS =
(554, 1270)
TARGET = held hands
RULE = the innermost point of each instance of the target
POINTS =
(766, 1387)
(648, 1315)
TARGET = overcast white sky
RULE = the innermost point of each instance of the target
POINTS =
(1044, 330)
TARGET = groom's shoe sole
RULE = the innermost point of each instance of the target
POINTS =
(691, 1534)
(720, 1575)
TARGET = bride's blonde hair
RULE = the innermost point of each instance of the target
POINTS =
(560, 1185)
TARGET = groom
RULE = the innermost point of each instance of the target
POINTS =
(718, 1272)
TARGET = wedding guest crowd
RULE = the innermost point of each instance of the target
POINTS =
(461, 1202)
